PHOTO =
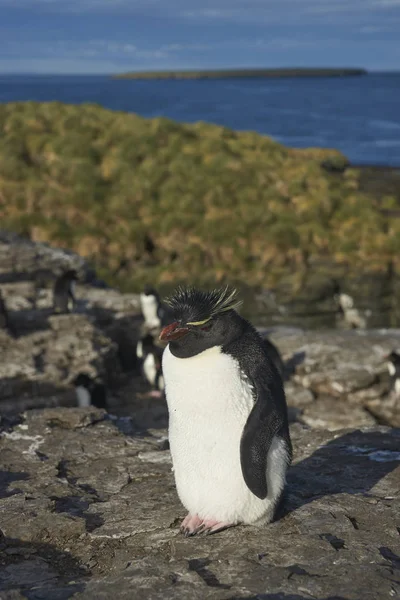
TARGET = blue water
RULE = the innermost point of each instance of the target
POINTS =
(358, 115)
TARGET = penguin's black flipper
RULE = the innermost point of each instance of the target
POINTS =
(263, 424)
(275, 356)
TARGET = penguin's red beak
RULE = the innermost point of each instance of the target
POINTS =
(173, 332)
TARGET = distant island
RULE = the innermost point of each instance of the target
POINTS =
(235, 73)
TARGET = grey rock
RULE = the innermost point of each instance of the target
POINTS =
(328, 412)
(20, 258)
(39, 362)
(36, 369)
(297, 395)
(385, 410)
(339, 378)
(334, 378)
(89, 512)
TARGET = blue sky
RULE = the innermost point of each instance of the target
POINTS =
(107, 36)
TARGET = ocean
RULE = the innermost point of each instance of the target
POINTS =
(358, 115)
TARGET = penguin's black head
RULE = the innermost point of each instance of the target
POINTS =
(71, 275)
(83, 380)
(148, 344)
(201, 320)
(149, 291)
(336, 287)
(394, 358)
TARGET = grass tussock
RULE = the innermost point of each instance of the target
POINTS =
(154, 200)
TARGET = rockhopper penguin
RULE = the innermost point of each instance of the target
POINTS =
(151, 307)
(63, 292)
(154, 311)
(89, 392)
(228, 425)
(151, 355)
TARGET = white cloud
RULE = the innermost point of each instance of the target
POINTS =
(81, 6)
(287, 10)
(101, 49)
(376, 29)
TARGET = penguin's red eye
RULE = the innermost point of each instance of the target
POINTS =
(206, 328)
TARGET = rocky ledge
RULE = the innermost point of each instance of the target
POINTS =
(88, 509)
(335, 378)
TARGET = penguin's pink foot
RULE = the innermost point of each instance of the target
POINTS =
(155, 394)
(190, 525)
(209, 526)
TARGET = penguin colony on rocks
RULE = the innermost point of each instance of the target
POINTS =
(149, 350)
(88, 391)
(228, 425)
(223, 384)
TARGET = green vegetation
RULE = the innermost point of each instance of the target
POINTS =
(229, 73)
(154, 200)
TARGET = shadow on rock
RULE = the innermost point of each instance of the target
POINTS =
(27, 321)
(292, 363)
(18, 394)
(78, 507)
(199, 565)
(7, 477)
(39, 571)
(281, 597)
(352, 464)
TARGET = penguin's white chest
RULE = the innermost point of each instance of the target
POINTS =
(209, 401)
(150, 369)
(149, 306)
(391, 368)
(83, 396)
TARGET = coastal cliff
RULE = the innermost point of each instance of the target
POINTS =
(152, 200)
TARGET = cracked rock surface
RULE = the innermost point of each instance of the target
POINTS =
(339, 378)
(88, 509)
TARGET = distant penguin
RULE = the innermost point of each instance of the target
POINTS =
(393, 365)
(152, 309)
(63, 292)
(275, 356)
(42, 278)
(343, 301)
(151, 356)
(5, 322)
(228, 423)
(89, 392)
(346, 308)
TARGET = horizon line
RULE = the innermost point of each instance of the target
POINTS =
(112, 73)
